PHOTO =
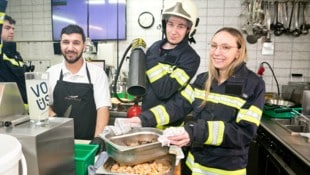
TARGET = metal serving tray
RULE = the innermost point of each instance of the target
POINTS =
(125, 150)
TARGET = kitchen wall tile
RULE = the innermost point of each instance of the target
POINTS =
(283, 46)
(215, 3)
(301, 56)
(232, 3)
(282, 64)
(285, 55)
(213, 12)
(215, 20)
(291, 55)
(300, 64)
(301, 46)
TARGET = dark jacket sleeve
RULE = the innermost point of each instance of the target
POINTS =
(166, 86)
(241, 133)
(177, 107)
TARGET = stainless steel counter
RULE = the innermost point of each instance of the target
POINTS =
(298, 145)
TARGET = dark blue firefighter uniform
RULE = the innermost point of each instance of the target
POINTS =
(229, 117)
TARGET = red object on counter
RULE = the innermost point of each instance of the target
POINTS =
(261, 70)
(134, 110)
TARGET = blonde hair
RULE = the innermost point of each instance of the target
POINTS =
(213, 73)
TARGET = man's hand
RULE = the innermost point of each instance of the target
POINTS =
(124, 125)
(98, 141)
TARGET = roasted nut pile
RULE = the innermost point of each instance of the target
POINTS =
(152, 168)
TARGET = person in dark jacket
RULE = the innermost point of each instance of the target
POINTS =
(3, 5)
(171, 63)
(226, 105)
(13, 67)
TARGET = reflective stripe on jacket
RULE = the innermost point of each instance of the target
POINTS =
(13, 61)
(168, 72)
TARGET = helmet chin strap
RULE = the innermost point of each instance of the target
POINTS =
(192, 40)
(173, 44)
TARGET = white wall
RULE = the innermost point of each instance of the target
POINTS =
(34, 36)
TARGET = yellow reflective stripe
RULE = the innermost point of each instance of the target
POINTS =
(253, 115)
(227, 100)
(216, 132)
(161, 115)
(2, 17)
(198, 169)
(161, 127)
(200, 94)
(13, 61)
(188, 94)
(158, 71)
(180, 75)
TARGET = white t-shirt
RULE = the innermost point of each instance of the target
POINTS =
(98, 77)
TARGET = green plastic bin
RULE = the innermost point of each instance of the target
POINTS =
(84, 155)
(281, 112)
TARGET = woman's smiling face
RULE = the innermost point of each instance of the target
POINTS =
(223, 50)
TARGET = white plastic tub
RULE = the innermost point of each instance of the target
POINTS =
(10, 155)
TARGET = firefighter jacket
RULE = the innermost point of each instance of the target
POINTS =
(221, 129)
(168, 71)
(12, 67)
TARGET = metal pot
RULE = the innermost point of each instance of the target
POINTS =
(279, 102)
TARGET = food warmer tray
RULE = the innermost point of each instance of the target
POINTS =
(137, 146)
(105, 168)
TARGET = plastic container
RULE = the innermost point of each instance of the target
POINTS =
(84, 156)
(10, 154)
(280, 112)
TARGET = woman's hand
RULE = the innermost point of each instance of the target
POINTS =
(176, 136)
(180, 140)
(134, 121)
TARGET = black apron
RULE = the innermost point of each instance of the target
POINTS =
(81, 97)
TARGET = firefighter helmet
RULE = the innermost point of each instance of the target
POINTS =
(182, 8)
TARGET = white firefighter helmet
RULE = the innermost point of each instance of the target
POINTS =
(182, 8)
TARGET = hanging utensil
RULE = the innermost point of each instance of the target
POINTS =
(289, 28)
(278, 25)
(268, 23)
(296, 31)
(268, 47)
(273, 14)
(307, 15)
(259, 19)
(265, 9)
(285, 21)
(303, 27)
(251, 38)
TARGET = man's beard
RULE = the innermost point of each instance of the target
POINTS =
(74, 60)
